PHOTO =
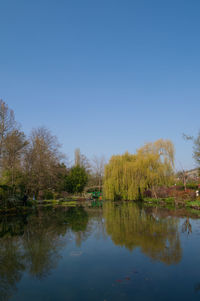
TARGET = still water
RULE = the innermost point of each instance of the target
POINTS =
(112, 252)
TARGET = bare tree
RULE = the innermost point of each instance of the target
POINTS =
(42, 159)
(196, 149)
(182, 175)
(77, 157)
(7, 120)
(81, 160)
(98, 164)
(7, 125)
(196, 146)
(15, 144)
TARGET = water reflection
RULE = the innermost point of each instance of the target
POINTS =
(187, 227)
(33, 243)
(131, 226)
(11, 266)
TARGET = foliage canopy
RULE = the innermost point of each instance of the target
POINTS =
(76, 179)
(127, 176)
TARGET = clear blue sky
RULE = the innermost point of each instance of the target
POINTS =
(105, 76)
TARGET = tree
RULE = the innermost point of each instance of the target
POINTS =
(127, 176)
(76, 179)
(15, 144)
(196, 146)
(7, 120)
(182, 175)
(42, 159)
(81, 160)
(12, 145)
(61, 173)
(158, 169)
(196, 149)
(7, 125)
(98, 164)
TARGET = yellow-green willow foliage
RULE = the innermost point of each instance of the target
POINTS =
(132, 227)
(128, 175)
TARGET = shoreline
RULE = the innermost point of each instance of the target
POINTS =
(168, 203)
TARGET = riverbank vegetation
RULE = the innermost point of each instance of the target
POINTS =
(33, 169)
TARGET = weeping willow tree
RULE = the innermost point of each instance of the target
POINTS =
(127, 176)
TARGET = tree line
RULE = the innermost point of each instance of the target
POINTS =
(34, 167)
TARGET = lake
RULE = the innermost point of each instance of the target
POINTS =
(110, 251)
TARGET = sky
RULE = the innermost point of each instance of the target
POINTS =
(105, 76)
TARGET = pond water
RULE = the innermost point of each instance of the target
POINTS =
(117, 251)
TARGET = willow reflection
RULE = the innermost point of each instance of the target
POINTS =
(130, 226)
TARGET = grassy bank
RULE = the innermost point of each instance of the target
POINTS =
(169, 203)
(32, 205)
(172, 202)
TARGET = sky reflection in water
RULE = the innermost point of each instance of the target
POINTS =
(116, 252)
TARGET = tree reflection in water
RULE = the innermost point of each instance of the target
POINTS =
(11, 266)
(130, 226)
(33, 243)
(187, 227)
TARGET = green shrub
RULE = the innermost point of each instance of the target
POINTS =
(76, 180)
(48, 195)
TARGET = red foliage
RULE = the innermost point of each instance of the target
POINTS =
(188, 194)
(174, 191)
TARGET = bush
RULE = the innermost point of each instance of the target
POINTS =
(182, 195)
(76, 180)
(193, 186)
(48, 195)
